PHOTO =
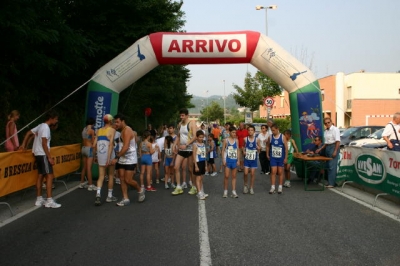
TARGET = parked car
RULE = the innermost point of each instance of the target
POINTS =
(374, 140)
(356, 133)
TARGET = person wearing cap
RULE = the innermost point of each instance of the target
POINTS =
(103, 147)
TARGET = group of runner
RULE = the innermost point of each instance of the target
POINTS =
(192, 150)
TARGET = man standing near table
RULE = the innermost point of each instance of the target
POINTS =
(391, 133)
(331, 146)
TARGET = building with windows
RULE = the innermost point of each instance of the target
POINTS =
(354, 99)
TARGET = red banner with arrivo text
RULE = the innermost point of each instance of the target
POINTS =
(18, 169)
(204, 48)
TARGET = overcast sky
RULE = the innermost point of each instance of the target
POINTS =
(330, 36)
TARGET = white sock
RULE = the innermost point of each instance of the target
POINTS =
(280, 187)
(39, 198)
(110, 193)
(49, 199)
(98, 191)
(273, 186)
(226, 191)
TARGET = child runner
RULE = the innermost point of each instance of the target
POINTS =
(211, 151)
(250, 159)
(171, 178)
(277, 151)
(224, 136)
(168, 160)
(199, 159)
(230, 159)
(291, 147)
(146, 150)
(155, 158)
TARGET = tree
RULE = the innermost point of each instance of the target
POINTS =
(53, 47)
(213, 112)
(255, 90)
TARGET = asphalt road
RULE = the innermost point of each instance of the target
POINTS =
(296, 228)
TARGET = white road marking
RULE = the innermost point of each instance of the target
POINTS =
(205, 253)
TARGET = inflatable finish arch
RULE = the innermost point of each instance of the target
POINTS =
(211, 48)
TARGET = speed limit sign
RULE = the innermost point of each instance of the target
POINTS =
(269, 101)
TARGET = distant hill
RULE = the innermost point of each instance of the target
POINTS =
(201, 102)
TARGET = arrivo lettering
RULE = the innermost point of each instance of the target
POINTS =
(204, 46)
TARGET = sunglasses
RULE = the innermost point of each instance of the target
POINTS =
(326, 123)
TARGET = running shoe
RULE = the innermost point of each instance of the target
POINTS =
(83, 185)
(52, 204)
(220, 170)
(272, 190)
(287, 183)
(166, 186)
(117, 181)
(205, 195)
(214, 174)
(162, 179)
(173, 185)
(234, 195)
(151, 189)
(280, 190)
(201, 196)
(190, 183)
(184, 185)
(207, 173)
(267, 173)
(177, 191)
(192, 191)
(40, 202)
(97, 202)
(142, 195)
(157, 181)
(245, 190)
(225, 194)
(124, 202)
(111, 199)
(251, 191)
(92, 188)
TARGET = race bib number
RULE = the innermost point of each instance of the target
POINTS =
(202, 152)
(276, 152)
(250, 154)
(232, 153)
(168, 152)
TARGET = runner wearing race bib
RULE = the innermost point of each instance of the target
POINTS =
(277, 151)
(291, 148)
(250, 152)
(230, 157)
(199, 165)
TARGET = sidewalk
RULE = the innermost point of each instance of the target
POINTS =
(23, 202)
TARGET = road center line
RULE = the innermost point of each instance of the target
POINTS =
(205, 253)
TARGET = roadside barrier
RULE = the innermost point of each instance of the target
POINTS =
(374, 168)
(18, 169)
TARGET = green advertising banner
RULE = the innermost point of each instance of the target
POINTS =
(378, 169)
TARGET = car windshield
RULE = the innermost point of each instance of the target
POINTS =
(348, 131)
(377, 134)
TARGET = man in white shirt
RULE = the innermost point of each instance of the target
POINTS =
(331, 146)
(44, 161)
(391, 133)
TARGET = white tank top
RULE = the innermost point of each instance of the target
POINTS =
(130, 156)
(184, 137)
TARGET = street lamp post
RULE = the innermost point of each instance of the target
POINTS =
(266, 14)
(208, 109)
(224, 105)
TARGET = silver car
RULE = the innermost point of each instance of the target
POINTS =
(374, 140)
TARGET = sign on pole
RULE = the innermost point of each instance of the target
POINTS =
(269, 101)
